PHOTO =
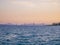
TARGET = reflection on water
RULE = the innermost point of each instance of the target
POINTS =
(29, 35)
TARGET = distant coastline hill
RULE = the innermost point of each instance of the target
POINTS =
(56, 24)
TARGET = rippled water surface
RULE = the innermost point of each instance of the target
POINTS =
(29, 35)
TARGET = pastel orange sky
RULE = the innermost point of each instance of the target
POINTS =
(29, 11)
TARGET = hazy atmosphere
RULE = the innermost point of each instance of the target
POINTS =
(29, 22)
(29, 11)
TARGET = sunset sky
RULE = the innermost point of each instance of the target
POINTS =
(29, 11)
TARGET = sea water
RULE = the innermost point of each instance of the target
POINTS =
(29, 35)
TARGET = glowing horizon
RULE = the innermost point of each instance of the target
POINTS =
(29, 11)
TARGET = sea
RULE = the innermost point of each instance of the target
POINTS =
(29, 35)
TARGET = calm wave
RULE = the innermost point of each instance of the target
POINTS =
(29, 35)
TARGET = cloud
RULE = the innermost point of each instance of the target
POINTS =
(32, 3)
(24, 3)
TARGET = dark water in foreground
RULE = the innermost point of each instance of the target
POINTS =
(29, 35)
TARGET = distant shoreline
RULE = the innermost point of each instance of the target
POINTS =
(33, 24)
